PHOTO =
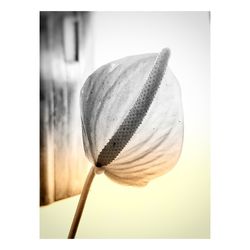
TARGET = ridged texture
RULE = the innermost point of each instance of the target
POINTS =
(132, 118)
(136, 114)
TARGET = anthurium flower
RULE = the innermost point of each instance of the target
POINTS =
(132, 118)
(132, 122)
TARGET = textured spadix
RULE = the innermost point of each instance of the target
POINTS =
(132, 120)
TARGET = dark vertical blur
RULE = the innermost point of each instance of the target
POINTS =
(65, 62)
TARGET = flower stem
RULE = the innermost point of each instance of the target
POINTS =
(81, 203)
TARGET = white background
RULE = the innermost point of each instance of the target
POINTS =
(20, 119)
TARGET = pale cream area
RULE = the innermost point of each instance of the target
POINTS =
(172, 206)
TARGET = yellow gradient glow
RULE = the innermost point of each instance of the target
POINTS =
(175, 205)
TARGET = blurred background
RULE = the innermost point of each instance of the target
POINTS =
(72, 46)
(66, 56)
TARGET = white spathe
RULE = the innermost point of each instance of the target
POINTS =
(106, 99)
